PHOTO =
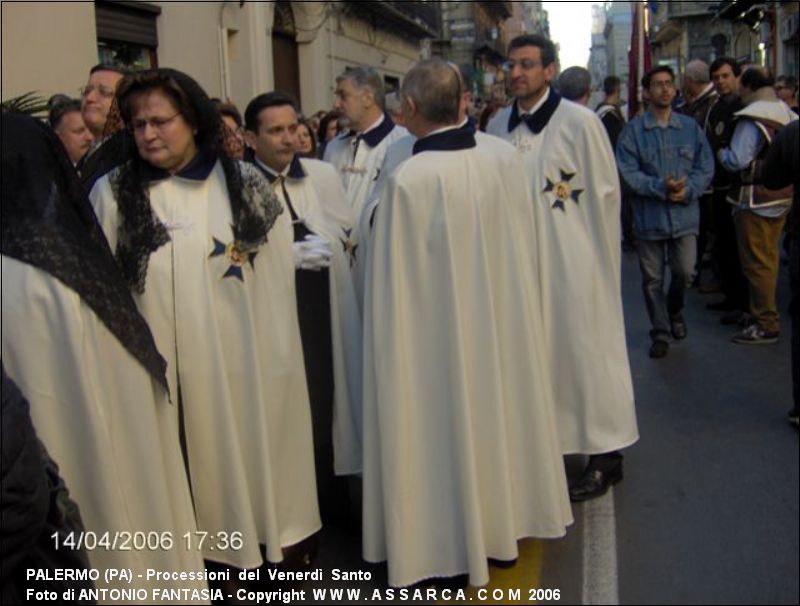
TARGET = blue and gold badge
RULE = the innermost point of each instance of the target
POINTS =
(236, 254)
(562, 190)
(350, 247)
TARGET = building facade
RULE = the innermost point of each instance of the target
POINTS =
(234, 49)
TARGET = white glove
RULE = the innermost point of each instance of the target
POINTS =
(314, 253)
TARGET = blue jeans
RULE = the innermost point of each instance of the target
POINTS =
(654, 255)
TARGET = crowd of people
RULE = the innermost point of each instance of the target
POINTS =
(394, 316)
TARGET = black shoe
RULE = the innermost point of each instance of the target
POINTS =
(723, 305)
(659, 349)
(594, 483)
(502, 563)
(678, 327)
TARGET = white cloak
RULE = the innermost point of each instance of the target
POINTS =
(234, 347)
(319, 201)
(460, 457)
(397, 153)
(578, 240)
(359, 173)
(105, 422)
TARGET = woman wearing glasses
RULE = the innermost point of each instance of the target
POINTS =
(207, 250)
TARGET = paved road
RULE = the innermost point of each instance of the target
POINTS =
(708, 510)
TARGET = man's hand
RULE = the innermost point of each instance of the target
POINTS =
(676, 189)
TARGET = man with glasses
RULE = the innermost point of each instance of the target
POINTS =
(96, 99)
(665, 158)
(576, 198)
(786, 89)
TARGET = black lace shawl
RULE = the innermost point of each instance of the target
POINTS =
(254, 206)
(47, 222)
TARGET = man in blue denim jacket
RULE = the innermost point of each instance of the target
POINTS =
(665, 158)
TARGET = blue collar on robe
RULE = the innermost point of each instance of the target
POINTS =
(470, 125)
(197, 170)
(538, 119)
(454, 139)
(377, 134)
(295, 169)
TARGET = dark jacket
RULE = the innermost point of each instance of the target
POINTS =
(782, 167)
(34, 505)
(719, 131)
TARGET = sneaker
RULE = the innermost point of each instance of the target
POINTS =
(659, 349)
(755, 335)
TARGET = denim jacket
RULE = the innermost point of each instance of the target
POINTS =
(646, 155)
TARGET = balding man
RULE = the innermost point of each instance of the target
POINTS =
(460, 451)
(575, 84)
(357, 153)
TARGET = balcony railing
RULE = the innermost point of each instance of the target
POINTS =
(419, 19)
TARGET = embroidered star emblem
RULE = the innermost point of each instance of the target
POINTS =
(562, 190)
(236, 255)
(349, 246)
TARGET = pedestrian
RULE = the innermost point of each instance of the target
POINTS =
(575, 84)
(306, 139)
(760, 212)
(666, 160)
(573, 179)
(205, 246)
(77, 347)
(358, 152)
(781, 168)
(65, 119)
(98, 108)
(725, 73)
(701, 96)
(330, 324)
(613, 120)
(461, 457)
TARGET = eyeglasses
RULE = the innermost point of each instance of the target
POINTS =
(523, 63)
(158, 124)
(105, 92)
(665, 84)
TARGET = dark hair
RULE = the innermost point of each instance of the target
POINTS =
(226, 108)
(611, 85)
(546, 46)
(313, 153)
(256, 106)
(717, 64)
(59, 106)
(756, 77)
(789, 81)
(323, 125)
(660, 69)
(137, 219)
(105, 67)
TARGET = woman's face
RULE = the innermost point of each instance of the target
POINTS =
(332, 131)
(304, 144)
(235, 142)
(163, 137)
